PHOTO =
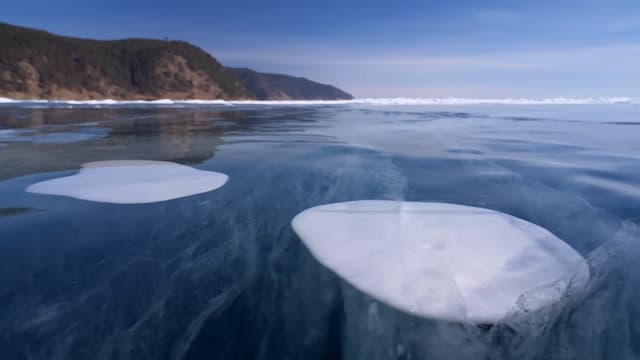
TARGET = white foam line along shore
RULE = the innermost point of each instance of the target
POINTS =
(362, 101)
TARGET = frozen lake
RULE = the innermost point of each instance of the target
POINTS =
(216, 272)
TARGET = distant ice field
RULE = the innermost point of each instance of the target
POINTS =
(360, 101)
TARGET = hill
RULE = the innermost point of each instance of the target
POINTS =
(38, 64)
(284, 87)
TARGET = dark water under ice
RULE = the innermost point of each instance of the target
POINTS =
(221, 275)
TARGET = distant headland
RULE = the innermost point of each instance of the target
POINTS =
(36, 64)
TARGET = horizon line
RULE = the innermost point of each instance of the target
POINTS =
(407, 101)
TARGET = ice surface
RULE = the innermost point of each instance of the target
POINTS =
(441, 261)
(132, 182)
(613, 186)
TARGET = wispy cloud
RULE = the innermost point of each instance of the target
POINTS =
(538, 59)
(603, 70)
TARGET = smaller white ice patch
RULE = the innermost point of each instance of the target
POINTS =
(132, 182)
(440, 261)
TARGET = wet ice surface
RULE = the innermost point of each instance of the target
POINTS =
(221, 274)
(442, 261)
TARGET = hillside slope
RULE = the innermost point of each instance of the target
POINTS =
(37, 64)
(284, 87)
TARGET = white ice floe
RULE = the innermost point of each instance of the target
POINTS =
(132, 182)
(441, 261)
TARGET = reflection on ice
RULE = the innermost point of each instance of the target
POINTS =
(441, 261)
(57, 137)
(132, 182)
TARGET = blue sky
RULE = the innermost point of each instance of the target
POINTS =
(375, 48)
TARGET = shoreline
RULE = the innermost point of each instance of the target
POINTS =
(358, 101)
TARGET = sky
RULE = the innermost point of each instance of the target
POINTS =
(408, 48)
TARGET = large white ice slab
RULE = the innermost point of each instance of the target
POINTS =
(132, 182)
(441, 261)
